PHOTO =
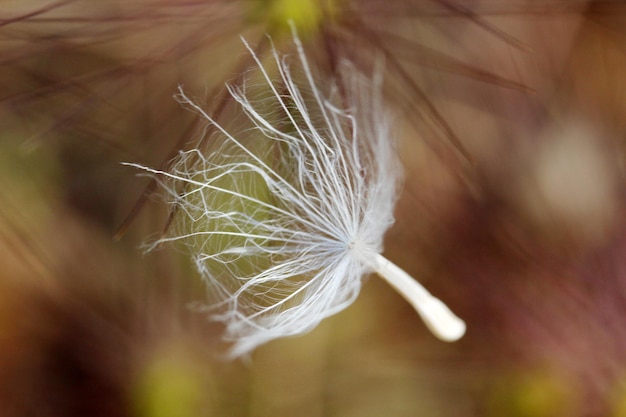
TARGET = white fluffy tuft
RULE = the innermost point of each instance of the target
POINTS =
(284, 220)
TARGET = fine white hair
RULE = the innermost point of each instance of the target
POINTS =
(284, 220)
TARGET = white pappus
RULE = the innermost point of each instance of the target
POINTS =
(285, 219)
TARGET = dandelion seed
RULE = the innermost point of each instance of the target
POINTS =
(284, 220)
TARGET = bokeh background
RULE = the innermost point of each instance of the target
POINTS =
(510, 118)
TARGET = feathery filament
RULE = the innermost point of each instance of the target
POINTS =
(284, 220)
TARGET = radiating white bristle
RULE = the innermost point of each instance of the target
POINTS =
(281, 222)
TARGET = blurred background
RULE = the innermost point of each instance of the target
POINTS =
(511, 119)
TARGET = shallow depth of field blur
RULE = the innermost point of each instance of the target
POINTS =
(511, 123)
